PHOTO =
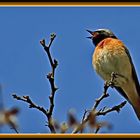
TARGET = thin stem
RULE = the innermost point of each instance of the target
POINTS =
(117, 108)
(51, 76)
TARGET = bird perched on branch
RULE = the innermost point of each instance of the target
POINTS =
(112, 56)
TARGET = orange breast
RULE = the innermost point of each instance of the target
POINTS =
(110, 56)
(110, 44)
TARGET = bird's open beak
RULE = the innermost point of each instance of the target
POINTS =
(90, 37)
(91, 32)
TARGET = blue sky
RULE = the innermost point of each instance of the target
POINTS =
(24, 63)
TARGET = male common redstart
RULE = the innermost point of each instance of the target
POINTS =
(112, 56)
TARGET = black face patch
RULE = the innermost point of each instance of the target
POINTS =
(100, 35)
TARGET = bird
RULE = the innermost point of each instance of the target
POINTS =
(112, 56)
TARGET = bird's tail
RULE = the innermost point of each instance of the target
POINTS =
(136, 108)
(133, 95)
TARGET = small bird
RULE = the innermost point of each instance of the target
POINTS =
(112, 56)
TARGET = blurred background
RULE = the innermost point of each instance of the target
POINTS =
(24, 64)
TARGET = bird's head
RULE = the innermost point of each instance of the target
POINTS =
(100, 34)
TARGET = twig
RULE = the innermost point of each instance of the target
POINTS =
(99, 125)
(107, 84)
(83, 118)
(10, 116)
(97, 129)
(33, 105)
(86, 111)
(13, 127)
(117, 108)
(50, 76)
(97, 102)
(54, 62)
(30, 102)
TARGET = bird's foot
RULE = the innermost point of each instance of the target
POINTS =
(111, 82)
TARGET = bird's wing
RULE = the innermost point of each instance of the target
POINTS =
(134, 75)
(120, 90)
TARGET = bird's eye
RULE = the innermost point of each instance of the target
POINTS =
(95, 34)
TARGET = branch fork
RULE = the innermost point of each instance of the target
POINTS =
(51, 77)
(103, 111)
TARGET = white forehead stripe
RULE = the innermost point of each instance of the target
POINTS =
(107, 30)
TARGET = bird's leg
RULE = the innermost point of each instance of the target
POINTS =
(106, 86)
(110, 83)
(113, 76)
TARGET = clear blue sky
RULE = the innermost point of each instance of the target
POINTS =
(24, 64)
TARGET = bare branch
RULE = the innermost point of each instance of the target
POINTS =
(83, 118)
(97, 129)
(107, 84)
(13, 127)
(117, 108)
(97, 102)
(50, 76)
(53, 62)
(30, 102)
